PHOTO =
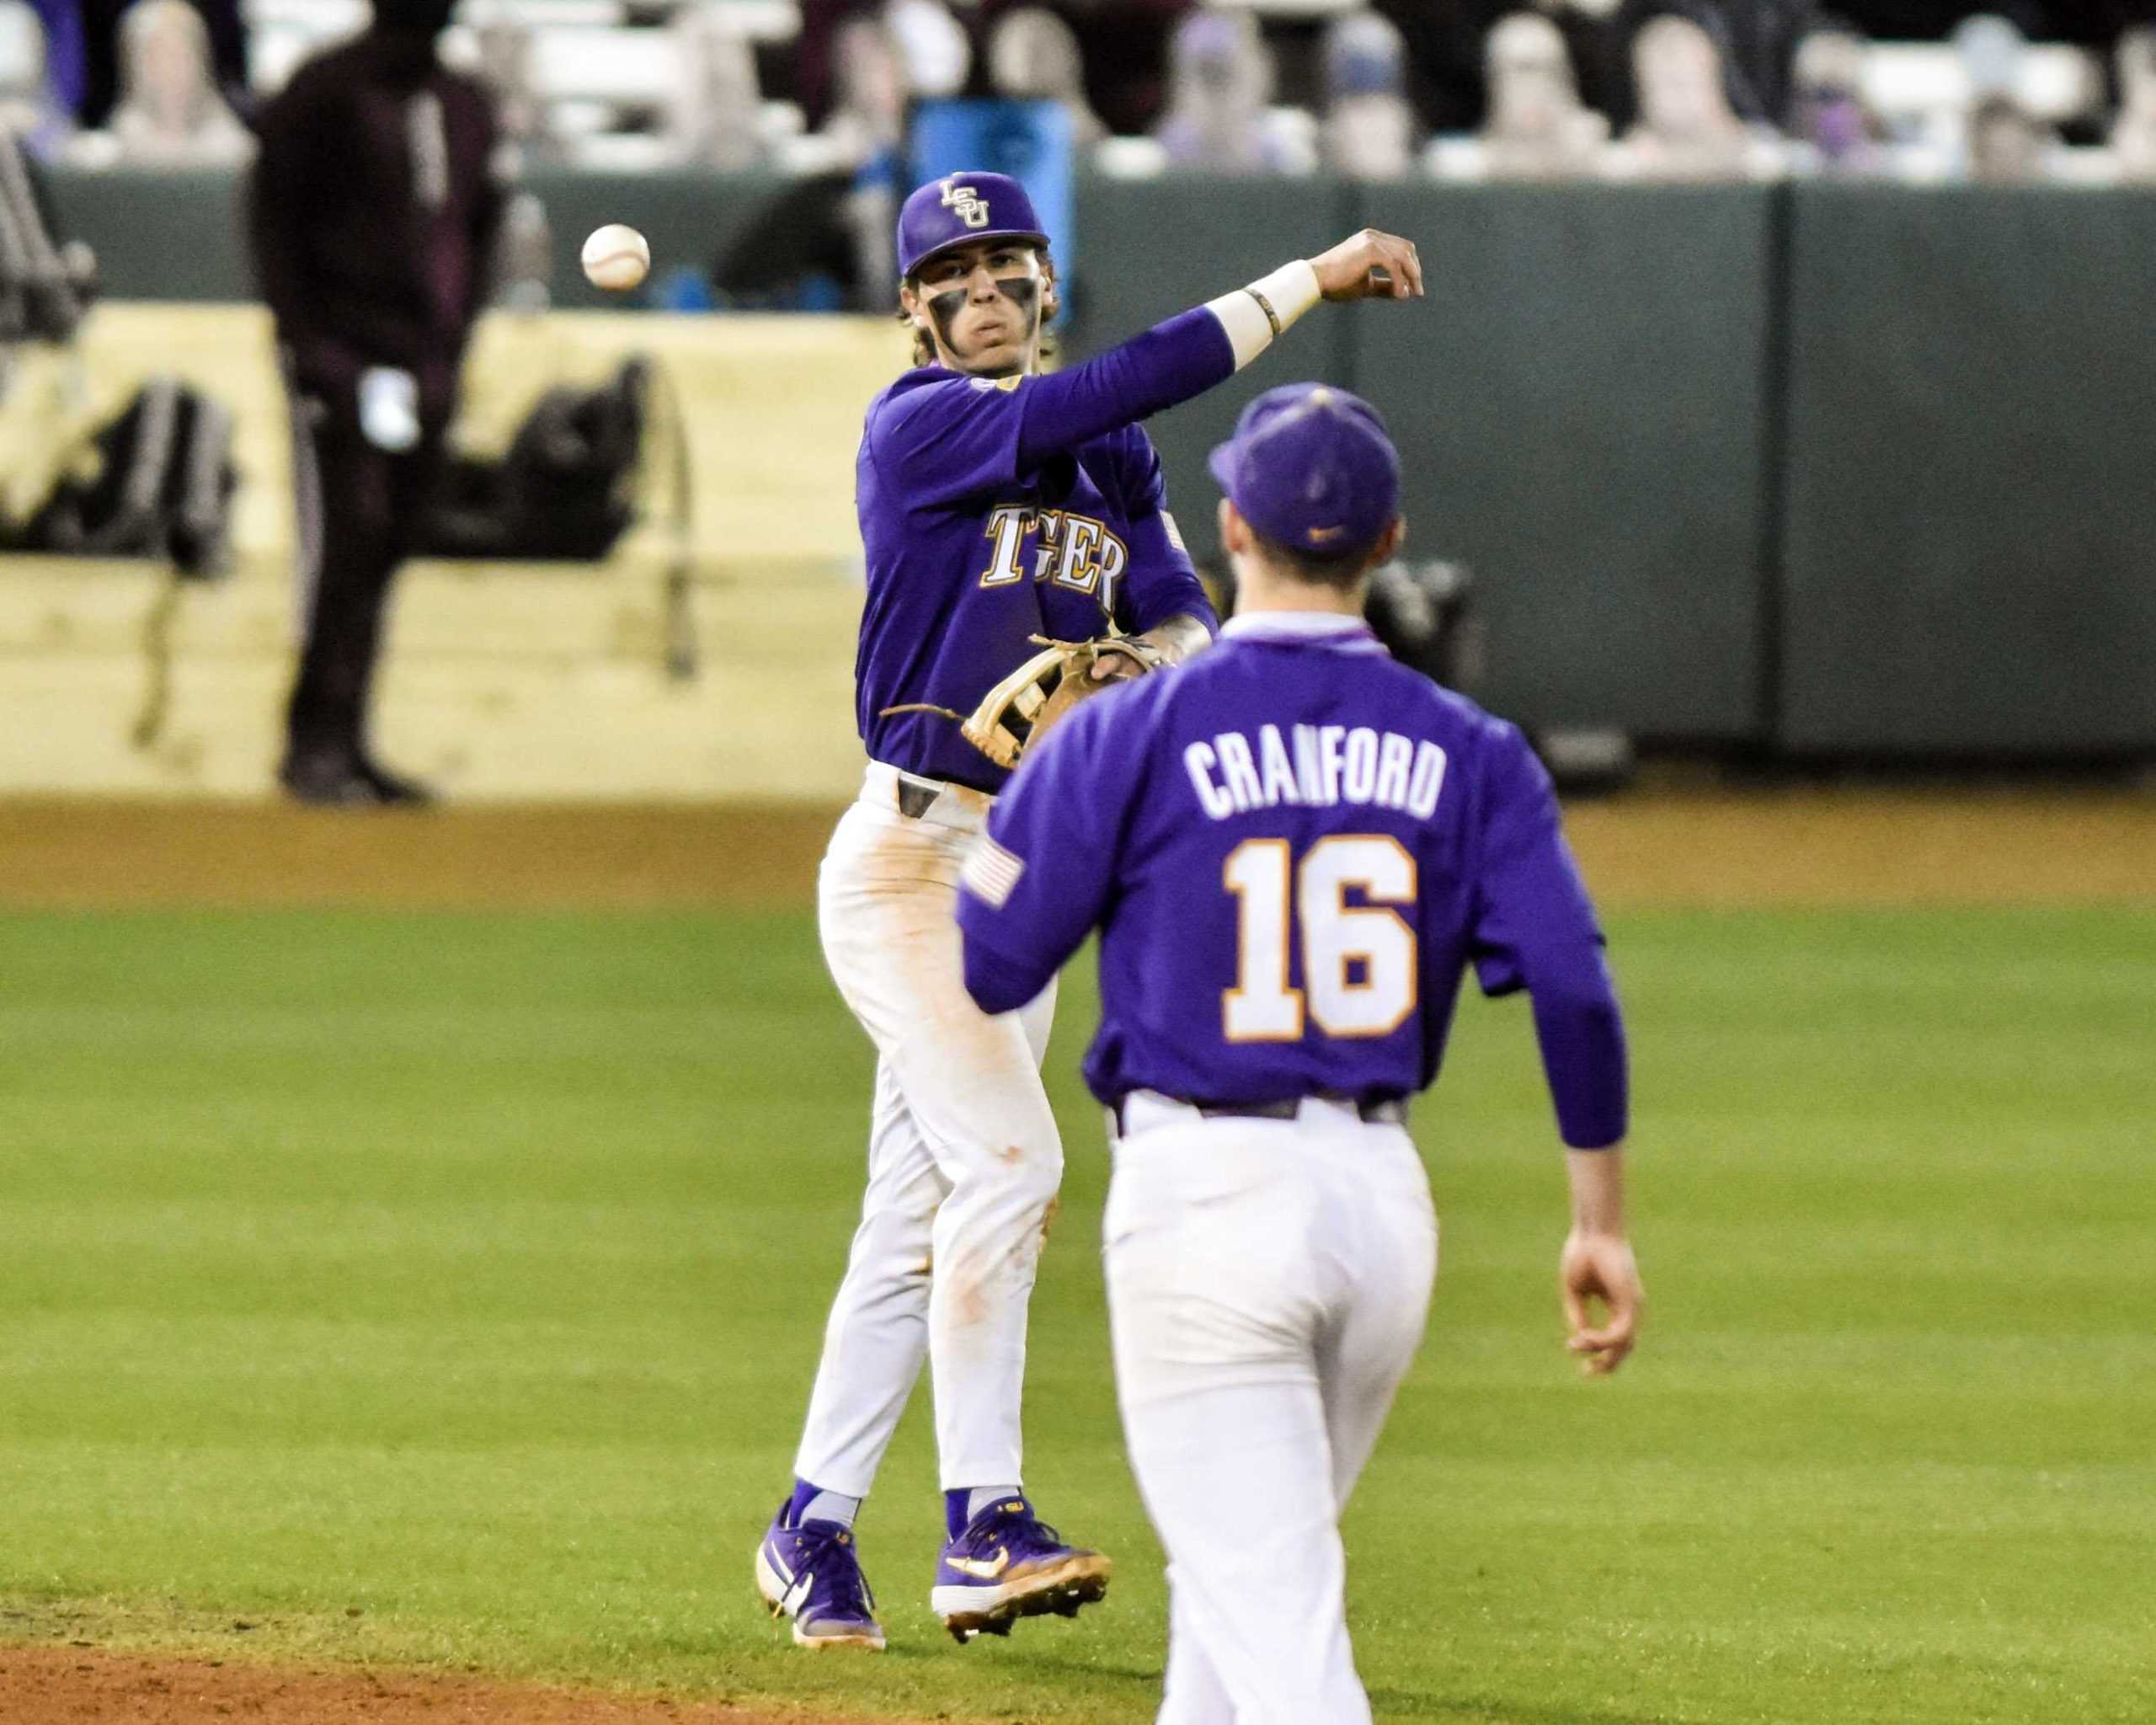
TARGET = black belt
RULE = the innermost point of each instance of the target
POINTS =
(916, 797)
(1374, 1111)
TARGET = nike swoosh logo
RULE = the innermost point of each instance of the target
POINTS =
(797, 1593)
(984, 1568)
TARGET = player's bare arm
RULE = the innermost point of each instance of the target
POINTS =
(1595, 1273)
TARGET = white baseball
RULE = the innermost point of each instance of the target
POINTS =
(616, 256)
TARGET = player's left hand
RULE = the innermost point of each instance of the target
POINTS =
(1596, 1268)
(1116, 668)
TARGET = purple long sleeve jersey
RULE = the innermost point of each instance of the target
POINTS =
(1294, 848)
(994, 510)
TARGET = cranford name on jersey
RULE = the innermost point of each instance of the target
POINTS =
(1320, 765)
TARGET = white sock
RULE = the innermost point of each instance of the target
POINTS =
(831, 1506)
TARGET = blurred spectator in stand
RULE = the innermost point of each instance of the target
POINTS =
(33, 117)
(1990, 47)
(716, 120)
(2004, 142)
(934, 51)
(1538, 128)
(101, 23)
(507, 50)
(1687, 129)
(170, 113)
(2133, 137)
(1755, 46)
(1221, 77)
(868, 120)
(2008, 145)
(66, 55)
(1368, 130)
(1034, 56)
(825, 242)
(373, 212)
(1827, 112)
(1126, 46)
(1447, 56)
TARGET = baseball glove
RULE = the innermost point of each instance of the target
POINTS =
(1022, 708)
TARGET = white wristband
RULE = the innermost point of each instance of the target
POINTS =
(1253, 316)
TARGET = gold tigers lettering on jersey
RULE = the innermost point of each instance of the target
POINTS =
(1079, 552)
(1075, 567)
(1084, 554)
(1008, 524)
(1051, 545)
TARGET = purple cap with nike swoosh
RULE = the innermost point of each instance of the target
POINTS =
(1310, 468)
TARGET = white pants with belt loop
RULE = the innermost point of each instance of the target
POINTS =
(964, 1158)
(1268, 1282)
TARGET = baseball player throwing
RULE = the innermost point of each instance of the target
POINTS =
(997, 506)
(1293, 847)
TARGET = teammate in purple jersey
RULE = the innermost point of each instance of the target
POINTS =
(997, 503)
(1293, 848)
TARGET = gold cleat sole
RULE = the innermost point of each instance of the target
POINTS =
(1060, 1589)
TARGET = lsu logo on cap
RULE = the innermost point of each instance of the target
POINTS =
(965, 203)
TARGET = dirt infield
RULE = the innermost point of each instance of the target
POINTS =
(73, 1686)
(1706, 848)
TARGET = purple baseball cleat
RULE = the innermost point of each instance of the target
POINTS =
(812, 1573)
(1009, 1564)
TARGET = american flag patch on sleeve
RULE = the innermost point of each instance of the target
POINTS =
(991, 872)
(1175, 533)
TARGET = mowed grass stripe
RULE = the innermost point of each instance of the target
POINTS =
(467, 1272)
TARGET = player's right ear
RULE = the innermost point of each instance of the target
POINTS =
(1234, 531)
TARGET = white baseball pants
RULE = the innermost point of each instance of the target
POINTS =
(1268, 1282)
(964, 1160)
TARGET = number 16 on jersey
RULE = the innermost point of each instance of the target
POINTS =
(1360, 965)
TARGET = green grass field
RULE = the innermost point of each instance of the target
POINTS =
(444, 1290)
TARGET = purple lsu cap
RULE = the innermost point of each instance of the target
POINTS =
(1310, 468)
(962, 207)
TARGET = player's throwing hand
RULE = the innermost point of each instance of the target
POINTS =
(1599, 1268)
(1370, 265)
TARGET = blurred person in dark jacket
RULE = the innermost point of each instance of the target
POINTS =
(373, 212)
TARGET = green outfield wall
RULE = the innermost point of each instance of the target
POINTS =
(1822, 469)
